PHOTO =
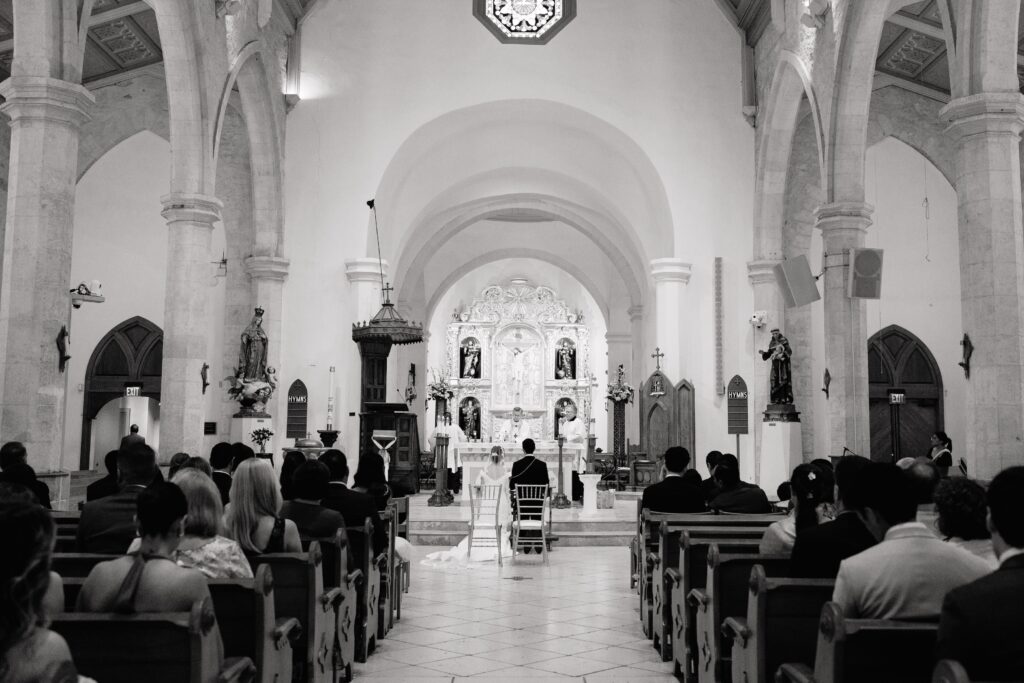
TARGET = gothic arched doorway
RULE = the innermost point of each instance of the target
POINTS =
(899, 362)
(130, 355)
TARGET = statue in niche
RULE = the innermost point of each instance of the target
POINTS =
(469, 417)
(779, 353)
(470, 359)
(252, 357)
(657, 386)
(565, 361)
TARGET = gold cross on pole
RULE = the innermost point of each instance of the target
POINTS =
(657, 356)
(387, 291)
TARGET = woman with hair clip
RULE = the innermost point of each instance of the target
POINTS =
(493, 474)
(811, 495)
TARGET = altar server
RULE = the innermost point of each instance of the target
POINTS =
(456, 437)
(575, 433)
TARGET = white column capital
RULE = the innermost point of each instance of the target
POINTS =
(618, 338)
(843, 217)
(47, 99)
(635, 313)
(762, 271)
(990, 112)
(365, 269)
(182, 207)
(671, 270)
(267, 267)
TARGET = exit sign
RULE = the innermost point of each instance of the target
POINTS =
(897, 398)
(131, 390)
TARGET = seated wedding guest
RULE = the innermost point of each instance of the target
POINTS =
(253, 517)
(673, 494)
(354, 506)
(735, 495)
(818, 550)
(292, 461)
(981, 625)
(53, 601)
(309, 486)
(941, 452)
(371, 480)
(810, 507)
(199, 464)
(693, 478)
(29, 651)
(202, 547)
(220, 461)
(12, 455)
(708, 487)
(107, 525)
(924, 478)
(178, 460)
(148, 580)
(784, 492)
(828, 472)
(107, 486)
(907, 575)
(240, 453)
(961, 509)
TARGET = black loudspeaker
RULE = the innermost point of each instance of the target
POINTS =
(864, 280)
(796, 282)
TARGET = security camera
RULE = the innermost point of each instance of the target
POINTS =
(758, 318)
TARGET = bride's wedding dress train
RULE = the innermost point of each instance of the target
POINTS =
(459, 555)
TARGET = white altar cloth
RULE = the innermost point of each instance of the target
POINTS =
(474, 456)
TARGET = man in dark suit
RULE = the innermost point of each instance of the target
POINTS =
(220, 460)
(107, 486)
(14, 469)
(981, 625)
(819, 550)
(354, 506)
(132, 438)
(673, 494)
(708, 487)
(735, 495)
(107, 525)
(527, 471)
(313, 520)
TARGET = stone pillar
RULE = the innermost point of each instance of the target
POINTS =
(364, 277)
(190, 219)
(46, 116)
(767, 298)
(671, 276)
(636, 373)
(987, 128)
(268, 274)
(843, 226)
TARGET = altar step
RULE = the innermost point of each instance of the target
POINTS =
(569, 532)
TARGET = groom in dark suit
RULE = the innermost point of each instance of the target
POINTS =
(528, 470)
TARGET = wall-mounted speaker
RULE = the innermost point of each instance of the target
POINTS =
(796, 282)
(864, 278)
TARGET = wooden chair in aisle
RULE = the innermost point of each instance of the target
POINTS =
(401, 506)
(484, 519)
(532, 505)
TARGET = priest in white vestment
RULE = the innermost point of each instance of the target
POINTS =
(573, 430)
(455, 437)
(516, 429)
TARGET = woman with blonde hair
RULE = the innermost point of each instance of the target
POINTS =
(202, 546)
(253, 516)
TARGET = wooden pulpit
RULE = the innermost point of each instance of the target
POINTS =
(403, 476)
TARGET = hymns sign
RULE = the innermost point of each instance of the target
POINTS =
(737, 397)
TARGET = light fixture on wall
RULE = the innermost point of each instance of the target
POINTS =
(222, 266)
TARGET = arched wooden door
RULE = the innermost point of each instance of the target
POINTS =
(130, 354)
(897, 360)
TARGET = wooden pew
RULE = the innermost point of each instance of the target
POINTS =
(952, 671)
(385, 603)
(403, 568)
(872, 650)
(691, 574)
(72, 565)
(725, 596)
(172, 647)
(781, 625)
(336, 574)
(368, 594)
(299, 592)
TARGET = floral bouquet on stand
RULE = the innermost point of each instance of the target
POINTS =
(261, 437)
(439, 389)
(620, 392)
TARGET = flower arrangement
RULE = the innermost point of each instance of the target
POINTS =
(261, 437)
(620, 392)
(439, 389)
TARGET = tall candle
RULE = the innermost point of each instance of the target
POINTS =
(330, 399)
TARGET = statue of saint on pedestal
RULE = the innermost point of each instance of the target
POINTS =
(565, 366)
(780, 354)
(253, 382)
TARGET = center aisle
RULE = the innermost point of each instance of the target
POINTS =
(572, 619)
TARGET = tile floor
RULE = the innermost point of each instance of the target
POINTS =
(572, 619)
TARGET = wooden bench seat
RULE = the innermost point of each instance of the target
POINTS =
(725, 596)
(337, 558)
(781, 625)
(368, 590)
(866, 651)
(155, 648)
(77, 565)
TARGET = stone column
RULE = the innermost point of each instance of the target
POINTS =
(671, 276)
(987, 128)
(761, 275)
(636, 373)
(190, 219)
(843, 226)
(268, 274)
(364, 277)
(46, 116)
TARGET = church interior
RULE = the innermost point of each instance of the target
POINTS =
(408, 255)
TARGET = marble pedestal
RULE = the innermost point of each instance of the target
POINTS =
(780, 453)
(590, 493)
(242, 428)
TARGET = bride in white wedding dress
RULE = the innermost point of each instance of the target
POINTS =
(493, 474)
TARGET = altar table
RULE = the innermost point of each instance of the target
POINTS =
(474, 456)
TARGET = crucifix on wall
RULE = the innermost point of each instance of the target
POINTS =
(657, 356)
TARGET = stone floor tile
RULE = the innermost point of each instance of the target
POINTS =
(572, 666)
(520, 655)
(466, 666)
(566, 646)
